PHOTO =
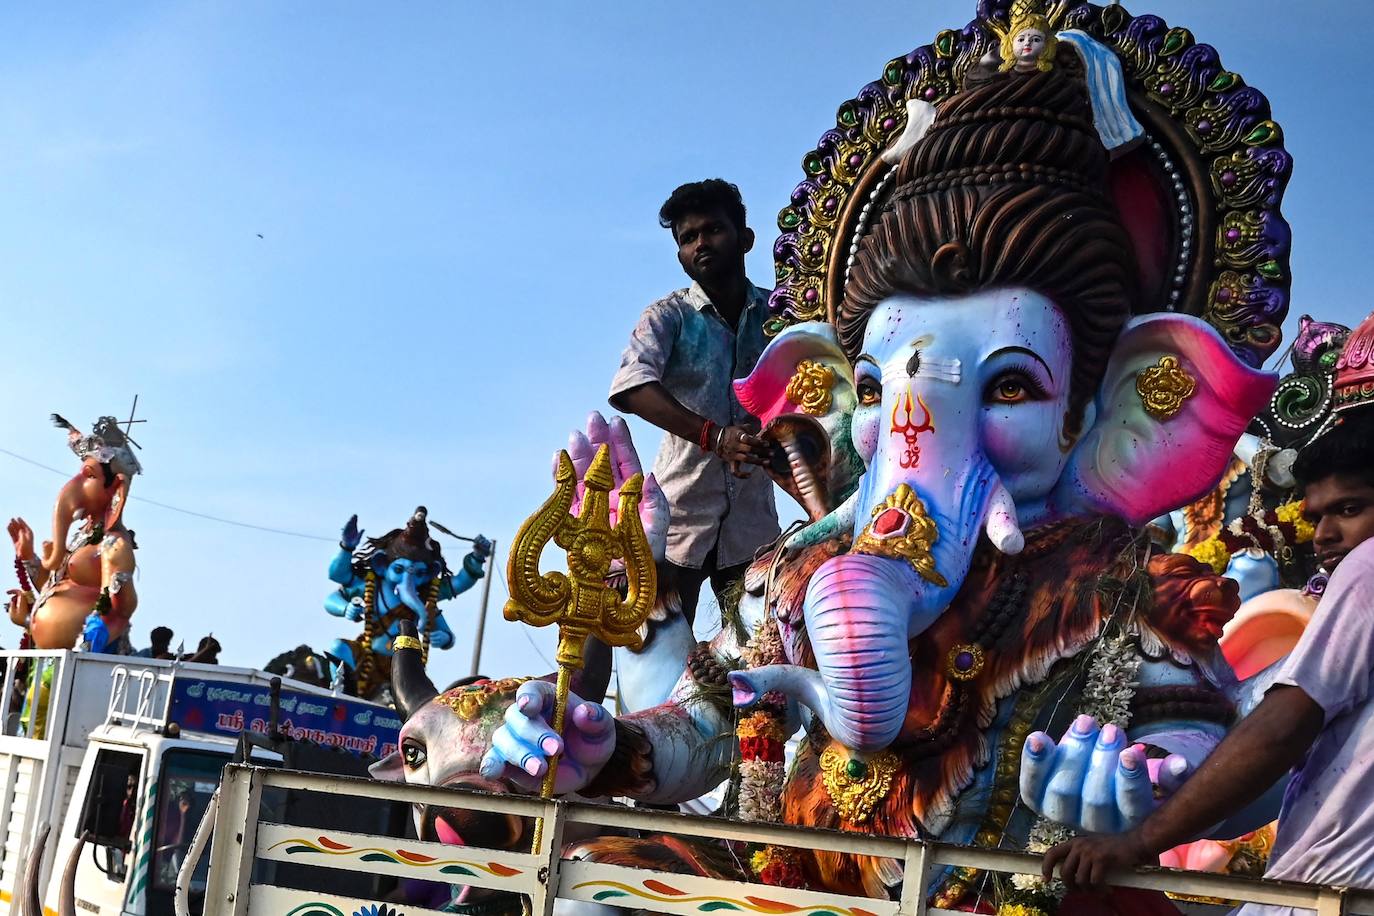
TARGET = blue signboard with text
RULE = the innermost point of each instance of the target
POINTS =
(221, 707)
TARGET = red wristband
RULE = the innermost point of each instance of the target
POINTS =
(704, 439)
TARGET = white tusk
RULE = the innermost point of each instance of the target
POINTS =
(1001, 526)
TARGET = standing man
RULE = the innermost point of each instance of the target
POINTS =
(1318, 716)
(677, 372)
(161, 647)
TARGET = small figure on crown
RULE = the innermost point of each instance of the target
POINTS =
(1028, 40)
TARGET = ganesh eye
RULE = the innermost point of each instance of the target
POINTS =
(1009, 391)
(413, 755)
(870, 392)
(1015, 387)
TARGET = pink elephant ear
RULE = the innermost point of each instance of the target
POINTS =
(1172, 405)
(765, 393)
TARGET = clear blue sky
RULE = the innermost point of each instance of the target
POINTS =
(457, 203)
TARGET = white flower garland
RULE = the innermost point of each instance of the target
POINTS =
(1112, 680)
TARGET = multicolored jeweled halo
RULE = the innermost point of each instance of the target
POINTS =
(1213, 156)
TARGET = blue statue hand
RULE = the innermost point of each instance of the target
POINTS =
(441, 638)
(1093, 780)
(482, 547)
(523, 746)
(356, 610)
(352, 534)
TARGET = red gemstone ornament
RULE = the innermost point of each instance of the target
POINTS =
(891, 522)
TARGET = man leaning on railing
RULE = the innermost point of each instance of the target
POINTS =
(1320, 706)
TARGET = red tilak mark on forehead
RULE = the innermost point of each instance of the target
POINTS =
(909, 430)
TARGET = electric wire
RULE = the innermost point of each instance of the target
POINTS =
(191, 512)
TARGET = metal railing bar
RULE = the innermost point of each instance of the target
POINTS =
(520, 805)
(923, 857)
(745, 831)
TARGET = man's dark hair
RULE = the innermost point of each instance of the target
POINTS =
(161, 636)
(1347, 449)
(710, 196)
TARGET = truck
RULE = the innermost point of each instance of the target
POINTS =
(108, 762)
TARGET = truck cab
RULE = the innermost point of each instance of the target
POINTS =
(107, 764)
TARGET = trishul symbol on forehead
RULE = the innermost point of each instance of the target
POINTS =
(908, 429)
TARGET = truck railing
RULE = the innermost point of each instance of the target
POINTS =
(135, 698)
(27, 703)
(240, 839)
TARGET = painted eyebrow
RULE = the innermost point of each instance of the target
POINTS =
(1027, 352)
(865, 358)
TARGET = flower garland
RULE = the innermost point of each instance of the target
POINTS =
(761, 767)
(778, 866)
(25, 583)
(1274, 532)
(1112, 680)
(761, 738)
(1030, 895)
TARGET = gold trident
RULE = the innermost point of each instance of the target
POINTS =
(581, 603)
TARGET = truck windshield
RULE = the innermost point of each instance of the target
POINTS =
(188, 780)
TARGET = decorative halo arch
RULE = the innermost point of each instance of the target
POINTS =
(1200, 195)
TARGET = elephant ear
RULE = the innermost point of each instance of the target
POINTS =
(115, 511)
(802, 391)
(803, 352)
(1172, 405)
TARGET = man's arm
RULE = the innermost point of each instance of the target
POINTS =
(1266, 744)
(654, 403)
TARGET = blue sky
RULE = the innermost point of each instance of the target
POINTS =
(457, 207)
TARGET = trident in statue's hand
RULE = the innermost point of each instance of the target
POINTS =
(580, 602)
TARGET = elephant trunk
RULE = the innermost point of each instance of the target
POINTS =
(409, 592)
(411, 688)
(63, 514)
(863, 608)
(862, 684)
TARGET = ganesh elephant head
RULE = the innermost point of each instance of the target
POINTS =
(99, 490)
(96, 491)
(408, 561)
(1000, 384)
(966, 420)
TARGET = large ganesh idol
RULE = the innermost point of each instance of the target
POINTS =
(84, 577)
(1003, 345)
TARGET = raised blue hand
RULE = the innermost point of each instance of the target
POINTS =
(352, 534)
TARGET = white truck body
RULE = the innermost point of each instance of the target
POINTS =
(111, 726)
